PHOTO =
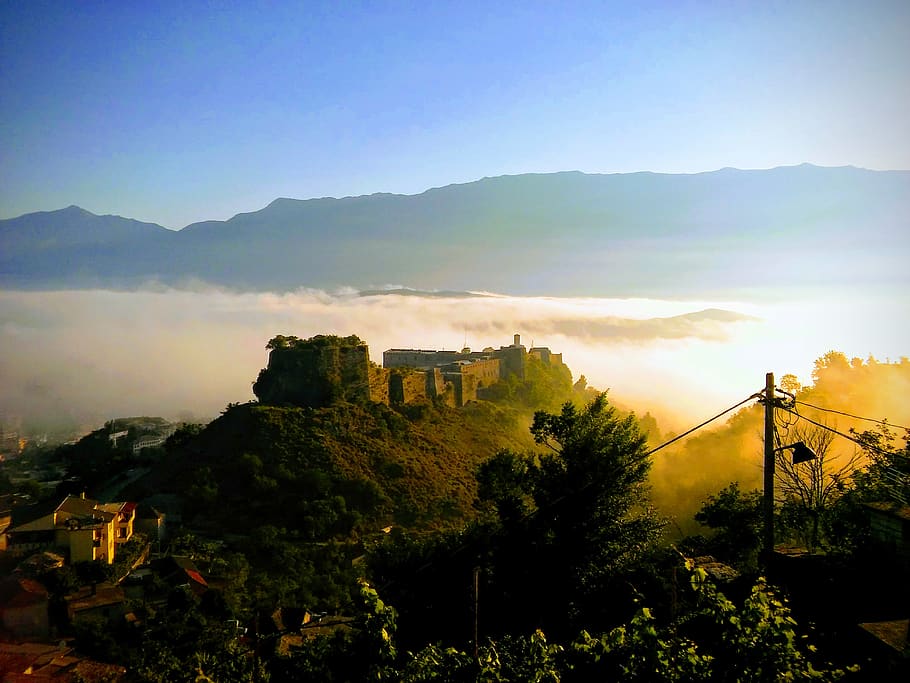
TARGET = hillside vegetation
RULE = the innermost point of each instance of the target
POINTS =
(842, 390)
(337, 470)
(547, 501)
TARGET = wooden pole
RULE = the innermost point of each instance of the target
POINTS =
(768, 498)
(476, 606)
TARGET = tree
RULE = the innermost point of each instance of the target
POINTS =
(574, 519)
(887, 473)
(736, 518)
(808, 491)
(365, 651)
(714, 640)
(590, 493)
(502, 481)
(93, 572)
(833, 362)
(790, 383)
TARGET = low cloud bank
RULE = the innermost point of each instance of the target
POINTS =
(94, 355)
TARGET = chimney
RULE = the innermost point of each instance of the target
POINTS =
(517, 340)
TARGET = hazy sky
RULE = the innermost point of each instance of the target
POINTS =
(176, 112)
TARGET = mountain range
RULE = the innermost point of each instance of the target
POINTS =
(559, 233)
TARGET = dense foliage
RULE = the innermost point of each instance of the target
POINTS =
(575, 520)
(686, 472)
(515, 547)
(281, 341)
(713, 640)
(328, 473)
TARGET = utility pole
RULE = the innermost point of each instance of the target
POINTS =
(476, 613)
(768, 499)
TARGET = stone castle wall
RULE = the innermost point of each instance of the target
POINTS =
(379, 384)
(485, 371)
(316, 373)
(407, 387)
(512, 361)
(416, 358)
(435, 383)
(314, 376)
(464, 387)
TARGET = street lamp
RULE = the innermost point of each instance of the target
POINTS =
(801, 453)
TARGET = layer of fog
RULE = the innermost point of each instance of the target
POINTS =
(95, 355)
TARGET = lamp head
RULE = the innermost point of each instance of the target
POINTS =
(802, 453)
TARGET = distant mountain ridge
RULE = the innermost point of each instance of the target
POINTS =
(559, 233)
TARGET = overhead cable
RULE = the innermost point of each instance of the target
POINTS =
(862, 444)
(706, 422)
(549, 505)
(855, 417)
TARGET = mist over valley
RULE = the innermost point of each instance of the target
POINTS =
(86, 356)
(674, 291)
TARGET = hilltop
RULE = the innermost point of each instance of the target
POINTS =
(334, 470)
(338, 445)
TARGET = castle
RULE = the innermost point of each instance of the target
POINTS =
(317, 371)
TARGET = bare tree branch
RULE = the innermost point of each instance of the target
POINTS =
(810, 488)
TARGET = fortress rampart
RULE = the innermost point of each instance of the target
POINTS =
(324, 369)
(314, 372)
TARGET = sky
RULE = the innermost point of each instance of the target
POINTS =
(179, 112)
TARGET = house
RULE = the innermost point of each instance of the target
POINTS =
(148, 442)
(180, 571)
(86, 529)
(126, 517)
(23, 608)
(8, 501)
(293, 627)
(149, 521)
(170, 506)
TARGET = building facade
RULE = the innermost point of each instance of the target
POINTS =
(84, 529)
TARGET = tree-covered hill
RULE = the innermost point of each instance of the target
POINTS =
(549, 518)
(329, 471)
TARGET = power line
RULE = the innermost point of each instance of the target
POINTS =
(706, 422)
(785, 422)
(862, 444)
(855, 417)
(549, 505)
(559, 499)
(552, 503)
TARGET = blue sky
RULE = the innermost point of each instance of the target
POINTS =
(177, 112)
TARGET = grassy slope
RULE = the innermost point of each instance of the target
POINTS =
(258, 465)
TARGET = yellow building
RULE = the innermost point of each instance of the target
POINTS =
(126, 515)
(85, 528)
